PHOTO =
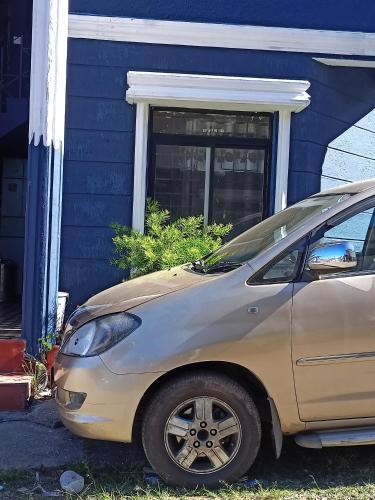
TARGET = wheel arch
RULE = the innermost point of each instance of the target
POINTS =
(249, 381)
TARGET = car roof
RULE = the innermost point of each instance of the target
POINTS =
(352, 188)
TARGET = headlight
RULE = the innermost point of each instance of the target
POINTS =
(100, 334)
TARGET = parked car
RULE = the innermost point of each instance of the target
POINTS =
(273, 331)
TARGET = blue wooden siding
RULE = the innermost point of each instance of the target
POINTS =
(355, 15)
(98, 176)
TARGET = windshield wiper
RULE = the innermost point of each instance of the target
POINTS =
(223, 266)
(198, 266)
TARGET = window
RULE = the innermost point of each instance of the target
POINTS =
(359, 229)
(210, 123)
(214, 164)
(285, 268)
(354, 229)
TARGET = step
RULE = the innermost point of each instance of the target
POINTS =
(10, 333)
(337, 437)
(10, 320)
(15, 392)
(12, 353)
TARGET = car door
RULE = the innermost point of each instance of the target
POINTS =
(333, 328)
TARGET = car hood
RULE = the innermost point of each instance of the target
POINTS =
(135, 292)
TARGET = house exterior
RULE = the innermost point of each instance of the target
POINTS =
(231, 110)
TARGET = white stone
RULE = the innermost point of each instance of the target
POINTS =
(71, 482)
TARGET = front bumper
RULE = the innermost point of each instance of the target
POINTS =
(112, 400)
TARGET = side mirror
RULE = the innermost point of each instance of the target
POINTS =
(334, 256)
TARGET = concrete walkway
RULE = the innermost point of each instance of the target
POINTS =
(36, 439)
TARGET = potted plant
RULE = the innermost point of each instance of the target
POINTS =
(48, 351)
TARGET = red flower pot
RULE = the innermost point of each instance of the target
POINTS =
(50, 360)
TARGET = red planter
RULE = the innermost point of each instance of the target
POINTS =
(50, 358)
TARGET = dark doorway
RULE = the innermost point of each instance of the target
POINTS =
(15, 44)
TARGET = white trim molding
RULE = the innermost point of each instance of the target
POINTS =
(346, 63)
(48, 72)
(212, 92)
(217, 92)
(122, 29)
(140, 167)
(282, 160)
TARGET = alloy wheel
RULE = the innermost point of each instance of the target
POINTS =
(202, 435)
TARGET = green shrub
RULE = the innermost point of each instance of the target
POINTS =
(165, 244)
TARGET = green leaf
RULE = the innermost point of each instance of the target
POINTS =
(165, 244)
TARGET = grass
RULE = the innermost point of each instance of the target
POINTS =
(341, 473)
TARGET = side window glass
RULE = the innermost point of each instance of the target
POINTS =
(354, 229)
(285, 268)
(358, 231)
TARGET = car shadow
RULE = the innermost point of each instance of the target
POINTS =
(297, 468)
(302, 468)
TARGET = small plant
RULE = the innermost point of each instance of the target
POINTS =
(46, 343)
(165, 244)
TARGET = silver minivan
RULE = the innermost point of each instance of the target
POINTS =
(275, 330)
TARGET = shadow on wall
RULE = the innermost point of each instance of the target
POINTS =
(351, 156)
(334, 134)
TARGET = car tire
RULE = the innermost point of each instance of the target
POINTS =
(201, 429)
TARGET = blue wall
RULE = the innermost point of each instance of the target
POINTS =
(352, 15)
(98, 176)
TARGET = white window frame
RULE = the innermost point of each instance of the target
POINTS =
(212, 92)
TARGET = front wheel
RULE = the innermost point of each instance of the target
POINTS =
(201, 429)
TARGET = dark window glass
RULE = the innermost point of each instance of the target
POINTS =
(211, 124)
(180, 179)
(211, 164)
(237, 184)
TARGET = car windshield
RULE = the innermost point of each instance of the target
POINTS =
(266, 234)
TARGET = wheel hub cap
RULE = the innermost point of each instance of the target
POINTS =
(202, 435)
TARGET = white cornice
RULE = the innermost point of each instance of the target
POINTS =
(222, 35)
(346, 63)
(216, 92)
